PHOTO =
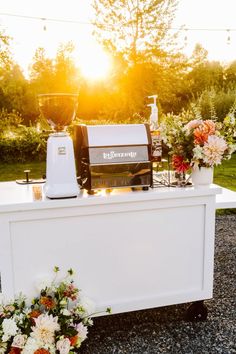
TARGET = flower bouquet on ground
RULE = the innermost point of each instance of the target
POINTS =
(56, 322)
(198, 143)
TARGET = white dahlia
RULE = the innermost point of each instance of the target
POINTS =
(63, 345)
(9, 328)
(214, 149)
(82, 331)
(44, 329)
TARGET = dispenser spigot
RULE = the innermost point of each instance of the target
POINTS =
(154, 99)
(154, 113)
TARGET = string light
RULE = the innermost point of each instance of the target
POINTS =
(107, 26)
(46, 19)
(228, 38)
(186, 36)
(111, 28)
(44, 26)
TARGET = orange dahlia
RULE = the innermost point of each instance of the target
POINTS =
(41, 351)
(73, 340)
(47, 301)
(202, 132)
(34, 314)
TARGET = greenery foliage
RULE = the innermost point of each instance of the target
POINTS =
(135, 33)
(137, 30)
(178, 81)
(215, 104)
(56, 321)
(19, 143)
(5, 56)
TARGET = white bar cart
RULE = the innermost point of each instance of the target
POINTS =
(132, 250)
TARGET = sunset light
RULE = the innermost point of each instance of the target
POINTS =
(94, 63)
(118, 168)
(52, 27)
(210, 23)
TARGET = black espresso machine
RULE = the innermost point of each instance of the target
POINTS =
(113, 156)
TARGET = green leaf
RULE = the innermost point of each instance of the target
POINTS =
(108, 310)
(70, 271)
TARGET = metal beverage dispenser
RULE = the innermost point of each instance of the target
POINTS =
(113, 156)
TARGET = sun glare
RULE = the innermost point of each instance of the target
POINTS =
(94, 63)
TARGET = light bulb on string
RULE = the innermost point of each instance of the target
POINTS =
(228, 38)
(186, 37)
(185, 31)
(44, 23)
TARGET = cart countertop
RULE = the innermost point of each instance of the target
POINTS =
(15, 197)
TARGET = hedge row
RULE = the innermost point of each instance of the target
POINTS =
(24, 146)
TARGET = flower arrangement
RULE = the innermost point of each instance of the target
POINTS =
(56, 322)
(198, 142)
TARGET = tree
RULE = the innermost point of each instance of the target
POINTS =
(199, 55)
(5, 65)
(15, 93)
(230, 74)
(135, 28)
(137, 32)
(42, 72)
(13, 83)
(205, 76)
(53, 75)
(5, 55)
(67, 75)
(58, 75)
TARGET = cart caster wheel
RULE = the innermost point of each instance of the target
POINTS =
(196, 312)
(145, 188)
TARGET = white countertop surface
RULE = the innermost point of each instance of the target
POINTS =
(15, 197)
(226, 200)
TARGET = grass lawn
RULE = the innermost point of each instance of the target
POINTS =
(224, 175)
(11, 172)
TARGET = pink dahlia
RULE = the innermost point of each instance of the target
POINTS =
(193, 124)
(213, 150)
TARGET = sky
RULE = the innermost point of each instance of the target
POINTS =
(206, 22)
(214, 18)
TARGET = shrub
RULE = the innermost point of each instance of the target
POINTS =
(19, 143)
(25, 145)
(215, 104)
(9, 121)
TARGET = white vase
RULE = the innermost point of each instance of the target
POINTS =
(202, 176)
